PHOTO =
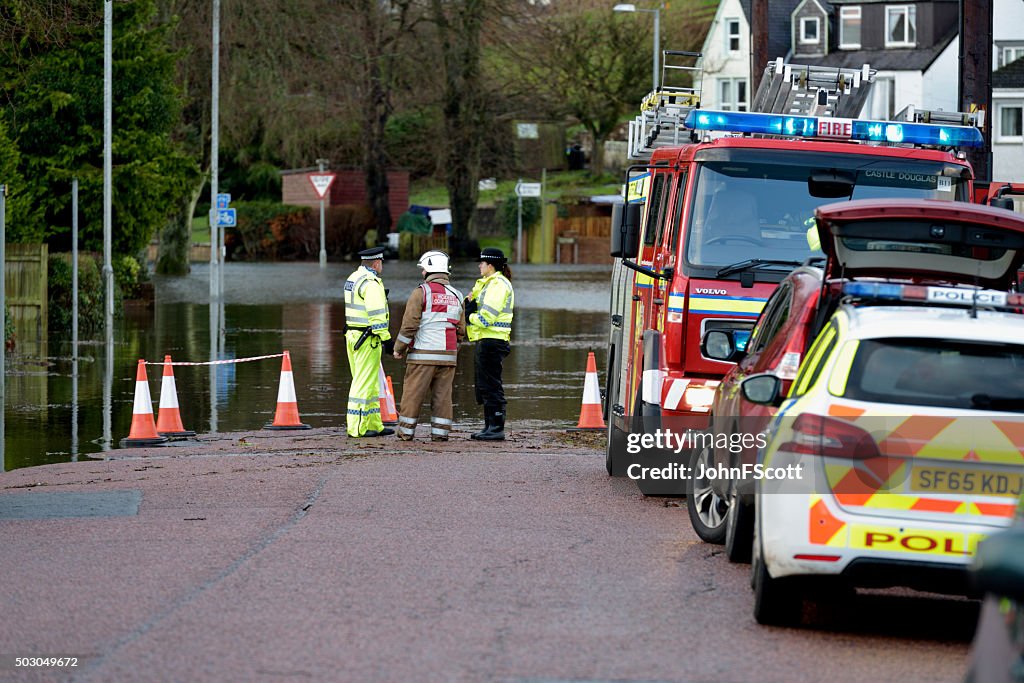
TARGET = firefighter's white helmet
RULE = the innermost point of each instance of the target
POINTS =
(434, 262)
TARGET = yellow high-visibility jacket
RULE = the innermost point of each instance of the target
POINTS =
(495, 301)
(366, 304)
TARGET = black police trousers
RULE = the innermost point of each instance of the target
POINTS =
(490, 353)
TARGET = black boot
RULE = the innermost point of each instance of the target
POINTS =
(487, 424)
(496, 432)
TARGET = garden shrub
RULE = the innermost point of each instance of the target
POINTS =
(90, 295)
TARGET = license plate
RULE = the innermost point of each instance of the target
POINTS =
(975, 482)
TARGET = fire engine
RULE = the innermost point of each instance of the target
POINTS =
(716, 212)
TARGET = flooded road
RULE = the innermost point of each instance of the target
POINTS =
(50, 415)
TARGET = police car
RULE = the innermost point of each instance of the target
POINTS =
(902, 435)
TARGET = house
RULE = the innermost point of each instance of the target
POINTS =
(1008, 122)
(912, 46)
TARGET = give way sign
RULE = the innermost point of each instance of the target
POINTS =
(321, 183)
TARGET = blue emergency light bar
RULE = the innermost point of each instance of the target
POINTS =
(933, 296)
(829, 128)
(742, 337)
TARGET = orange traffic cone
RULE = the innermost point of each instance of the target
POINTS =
(590, 412)
(143, 431)
(388, 412)
(287, 415)
(168, 420)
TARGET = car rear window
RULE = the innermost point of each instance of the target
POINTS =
(936, 372)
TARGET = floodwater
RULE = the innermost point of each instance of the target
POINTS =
(58, 409)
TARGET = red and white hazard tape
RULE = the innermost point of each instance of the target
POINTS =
(216, 362)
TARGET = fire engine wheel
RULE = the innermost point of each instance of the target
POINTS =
(739, 530)
(615, 451)
(706, 508)
(734, 238)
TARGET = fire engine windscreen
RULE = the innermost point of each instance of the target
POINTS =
(756, 204)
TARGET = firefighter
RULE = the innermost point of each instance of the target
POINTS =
(432, 327)
(366, 335)
(489, 318)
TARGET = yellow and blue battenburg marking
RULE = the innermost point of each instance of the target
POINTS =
(734, 306)
(677, 301)
(637, 188)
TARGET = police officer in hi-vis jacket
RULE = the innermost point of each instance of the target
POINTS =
(366, 335)
(432, 327)
(489, 323)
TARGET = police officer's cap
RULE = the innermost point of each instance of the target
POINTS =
(494, 256)
(372, 254)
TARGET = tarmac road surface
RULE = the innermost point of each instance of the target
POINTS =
(310, 556)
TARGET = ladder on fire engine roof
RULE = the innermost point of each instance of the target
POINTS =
(662, 112)
(813, 90)
(914, 114)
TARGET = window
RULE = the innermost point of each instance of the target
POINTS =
(809, 29)
(653, 224)
(1009, 54)
(1011, 122)
(849, 28)
(949, 373)
(732, 94)
(732, 35)
(900, 26)
(881, 101)
(774, 315)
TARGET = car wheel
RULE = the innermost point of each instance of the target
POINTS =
(776, 601)
(707, 509)
(739, 530)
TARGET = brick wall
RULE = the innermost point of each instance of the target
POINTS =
(349, 187)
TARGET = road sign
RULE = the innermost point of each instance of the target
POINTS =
(528, 189)
(321, 182)
(226, 218)
(223, 200)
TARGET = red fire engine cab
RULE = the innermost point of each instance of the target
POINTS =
(718, 213)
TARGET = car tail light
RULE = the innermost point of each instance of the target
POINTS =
(829, 437)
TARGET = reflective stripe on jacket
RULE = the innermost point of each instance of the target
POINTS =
(495, 301)
(433, 323)
(366, 304)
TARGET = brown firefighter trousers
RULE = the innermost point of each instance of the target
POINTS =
(419, 379)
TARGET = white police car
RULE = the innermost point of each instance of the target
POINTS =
(905, 425)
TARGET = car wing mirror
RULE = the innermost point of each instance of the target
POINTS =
(764, 389)
(725, 345)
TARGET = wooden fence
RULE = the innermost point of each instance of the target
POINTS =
(26, 281)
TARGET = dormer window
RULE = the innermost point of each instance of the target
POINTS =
(849, 28)
(809, 27)
(900, 26)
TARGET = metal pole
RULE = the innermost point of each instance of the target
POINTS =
(214, 157)
(74, 268)
(108, 391)
(3, 314)
(657, 40)
(74, 319)
(108, 134)
(519, 228)
(323, 241)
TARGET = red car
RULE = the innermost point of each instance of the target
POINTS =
(720, 510)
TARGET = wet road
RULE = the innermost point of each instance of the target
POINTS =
(315, 557)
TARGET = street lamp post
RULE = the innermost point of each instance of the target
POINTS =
(629, 7)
